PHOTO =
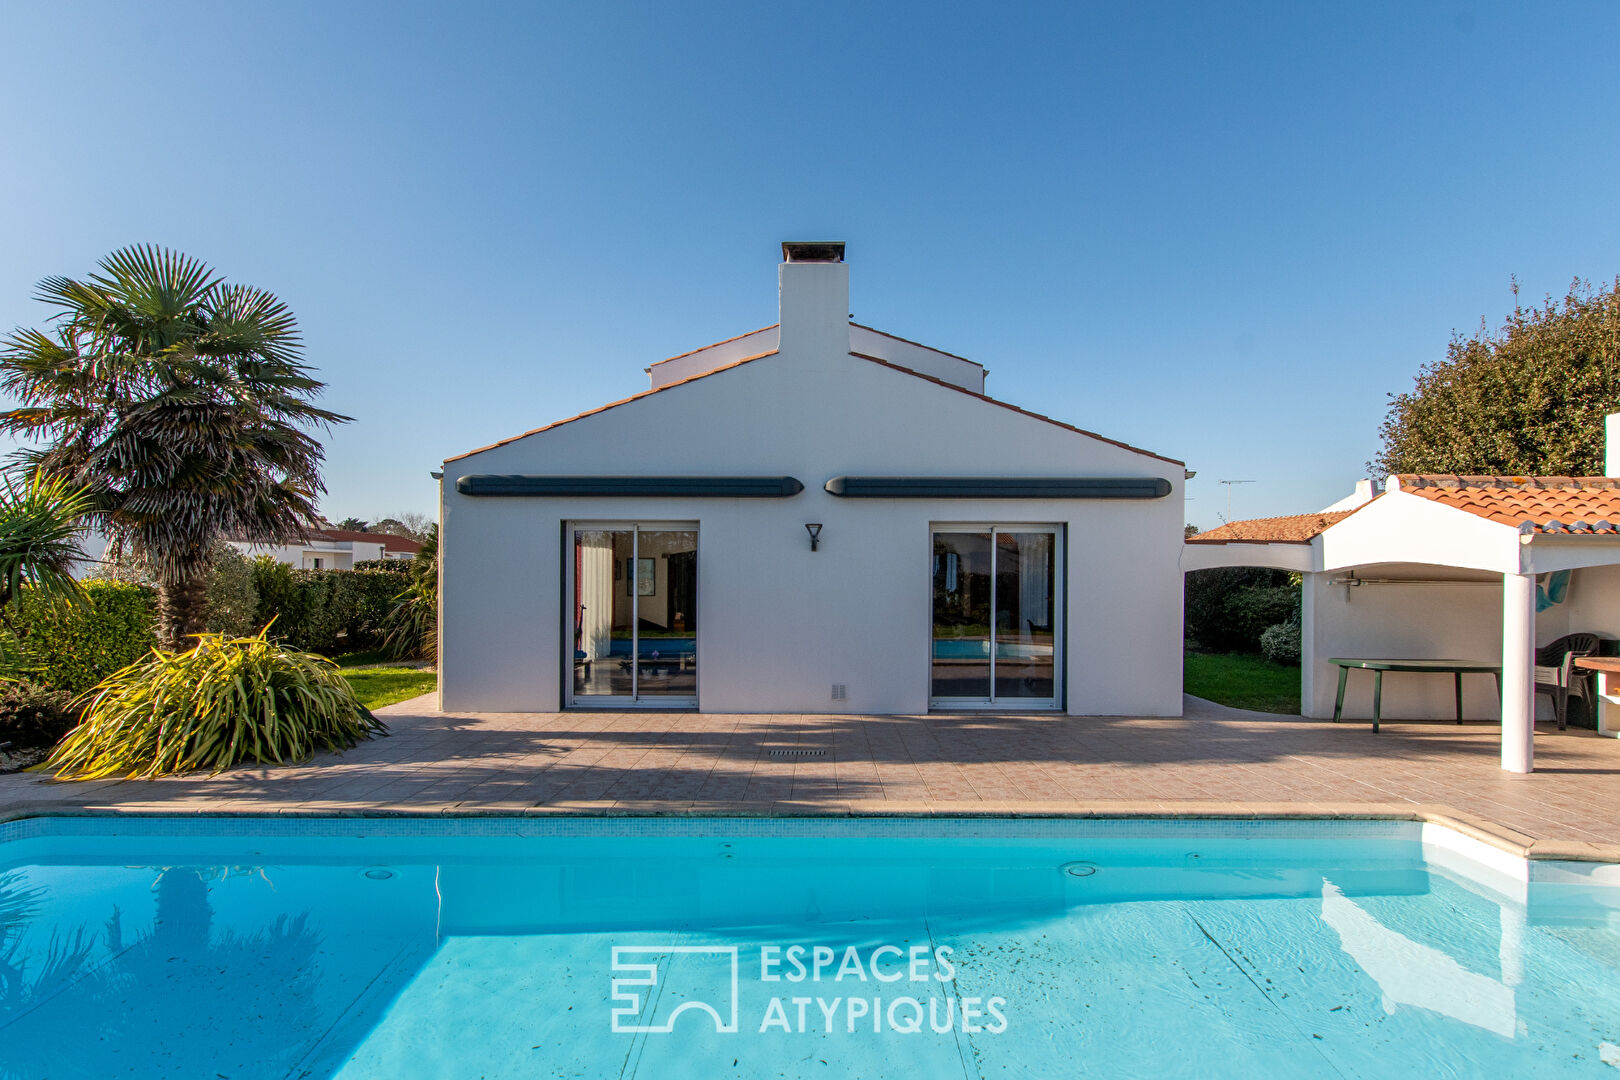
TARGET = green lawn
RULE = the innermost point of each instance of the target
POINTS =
(1243, 682)
(368, 658)
(376, 687)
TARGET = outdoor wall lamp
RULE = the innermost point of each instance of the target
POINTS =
(815, 534)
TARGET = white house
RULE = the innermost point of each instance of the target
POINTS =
(1443, 568)
(813, 517)
(333, 549)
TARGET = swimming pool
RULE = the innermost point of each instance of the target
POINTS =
(409, 948)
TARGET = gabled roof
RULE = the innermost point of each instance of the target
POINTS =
(1546, 504)
(1022, 412)
(860, 356)
(908, 341)
(616, 404)
(711, 345)
(1292, 529)
(389, 541)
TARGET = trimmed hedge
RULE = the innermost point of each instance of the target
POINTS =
(324, 611)
(73, 648)
(393, 566)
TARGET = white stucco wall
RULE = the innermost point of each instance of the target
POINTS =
(1454, 621)
(908, 354)
(334, 556)
(1458, 620)
(779, 624)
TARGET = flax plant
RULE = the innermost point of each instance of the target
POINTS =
(225, 701)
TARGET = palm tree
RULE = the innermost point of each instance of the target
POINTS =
(181, 402)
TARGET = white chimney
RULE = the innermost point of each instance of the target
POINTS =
(1611, 445)
(814, 298)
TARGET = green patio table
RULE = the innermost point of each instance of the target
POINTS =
(1456, 668)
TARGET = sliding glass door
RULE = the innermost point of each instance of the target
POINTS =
(633, 609)
(996, 611)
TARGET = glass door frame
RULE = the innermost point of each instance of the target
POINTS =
(619, 701)
(1060, 611)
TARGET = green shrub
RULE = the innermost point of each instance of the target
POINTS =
(1253, 609)
(233, 602)
(73, 648)
(1228, 608)
(32, 716)
(225, 701)
(324, 611)
(1280, 643)
(277, 593)
(361, 600)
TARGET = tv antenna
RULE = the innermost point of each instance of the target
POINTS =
(1229, 485)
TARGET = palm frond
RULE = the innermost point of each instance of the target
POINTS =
(155, 282)
(42, 522)
(180, 401)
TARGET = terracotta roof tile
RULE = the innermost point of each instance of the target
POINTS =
(389, 541)
(1587, 505)
(1292, 529)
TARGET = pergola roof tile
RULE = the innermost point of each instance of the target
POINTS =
(1292, 529)
(1554, 505)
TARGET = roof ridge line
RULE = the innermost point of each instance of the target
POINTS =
(908, 341)
(711, 345)
(616, 404)
(1015, 408)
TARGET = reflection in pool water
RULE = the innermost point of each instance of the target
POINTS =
(198, 949)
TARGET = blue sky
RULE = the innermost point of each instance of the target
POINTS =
(1221, 232)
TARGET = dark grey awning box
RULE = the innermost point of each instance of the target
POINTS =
(999, 487)
(718, 487)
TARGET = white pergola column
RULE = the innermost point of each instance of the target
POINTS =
(1518, 672)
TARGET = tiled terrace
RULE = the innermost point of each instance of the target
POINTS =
(1212, 761)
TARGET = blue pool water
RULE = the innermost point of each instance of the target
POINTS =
(672, 948)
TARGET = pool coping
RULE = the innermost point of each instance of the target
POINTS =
(1489, 832)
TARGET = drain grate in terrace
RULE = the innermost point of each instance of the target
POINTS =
(796, 752)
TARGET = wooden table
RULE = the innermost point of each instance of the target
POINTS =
(1456, 668)
(1608, 692)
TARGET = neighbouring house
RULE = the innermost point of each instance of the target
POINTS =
(814, 517)
(1445, 568)
(333, 549)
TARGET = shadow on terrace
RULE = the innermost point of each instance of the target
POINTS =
(589, 761)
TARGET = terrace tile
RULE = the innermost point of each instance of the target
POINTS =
(1211, 761)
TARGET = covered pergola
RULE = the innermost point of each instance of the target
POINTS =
(1441, 547)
